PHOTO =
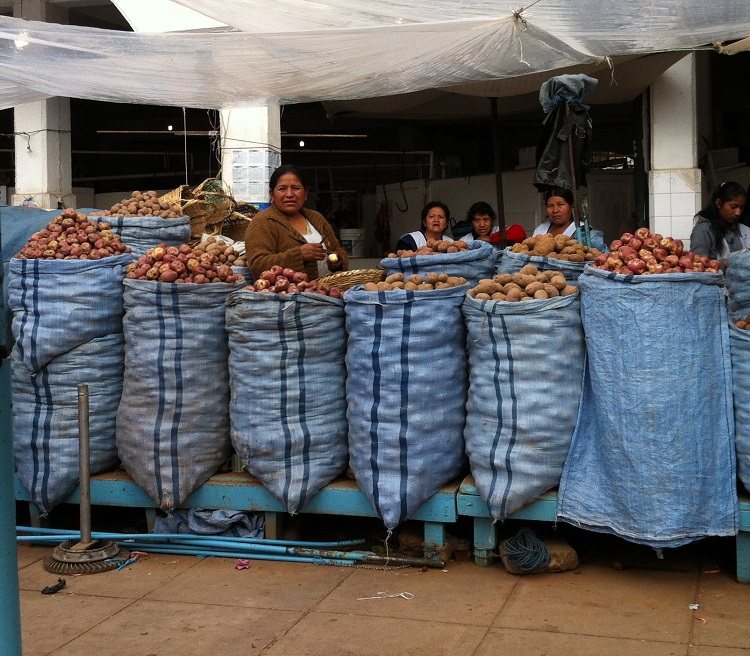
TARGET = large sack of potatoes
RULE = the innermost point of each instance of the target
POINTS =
(472, 261)
(548, 253)
(406, 392)
(525, 378)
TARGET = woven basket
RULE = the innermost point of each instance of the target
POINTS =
(346, 279)
(207, 205)
(235, 227)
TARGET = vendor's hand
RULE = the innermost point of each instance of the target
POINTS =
(484, 238)
(312, 252)
(334, 262)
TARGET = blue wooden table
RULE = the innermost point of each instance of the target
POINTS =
(241, 491)
(544, 509)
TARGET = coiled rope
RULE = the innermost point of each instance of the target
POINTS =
(525, 551)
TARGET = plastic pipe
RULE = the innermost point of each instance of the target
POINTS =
(10, 607)
(60, 533)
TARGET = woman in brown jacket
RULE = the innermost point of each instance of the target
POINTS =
(291, 236)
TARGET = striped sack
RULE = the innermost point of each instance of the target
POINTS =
(652, 457)
(173, 421)
(144, 232)
(58, 305)
(476, 263)
(45, 417)
(288, 405)
(406, 394)
(512, 263)
(739, 343)
(525, 377)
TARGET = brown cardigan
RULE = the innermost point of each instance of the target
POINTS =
(270, 239)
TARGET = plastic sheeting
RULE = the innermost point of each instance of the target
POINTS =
(339, 49)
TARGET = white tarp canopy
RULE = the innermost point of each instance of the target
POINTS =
(251, 52)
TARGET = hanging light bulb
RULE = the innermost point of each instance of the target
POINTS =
(301, 144)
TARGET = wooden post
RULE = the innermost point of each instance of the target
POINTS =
(498, 172)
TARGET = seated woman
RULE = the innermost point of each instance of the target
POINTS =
(482, 218)
(291, 236)
(717, 231)
(434, 223)
(559, 206)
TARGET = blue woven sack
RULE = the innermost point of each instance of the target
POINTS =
(288, 405)
(652, 457)
(738, 284)
(45, 417)
(476, 263)
(406, 393)
(173, 422)
(144, 232)
(525, 378)
(58, 305)
(512, 263)
(739, 342)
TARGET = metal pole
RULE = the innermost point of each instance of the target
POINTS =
(10, 608)
(83, 462)
(498, 172)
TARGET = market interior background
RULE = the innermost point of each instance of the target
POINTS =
(360, 161)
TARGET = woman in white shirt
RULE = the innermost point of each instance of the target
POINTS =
(559, 206)
(434, 223)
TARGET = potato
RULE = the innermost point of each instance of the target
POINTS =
(551, 290)
(568, 290)
(482, 297)
(443, 277)
(529, 269)
(432, 278)
(395, 277)
(425, 286)
(558, 281)
(534, 287)
(416, 279)
(410, 286)
(514, 295)
(498, 296)
(503, 278)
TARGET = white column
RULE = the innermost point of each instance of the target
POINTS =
(251, 150)
(42, 141)
(674, 178)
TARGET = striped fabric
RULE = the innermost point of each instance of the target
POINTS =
(526, 371)
(288, 405)
(45, 417)
(512, 263)
(406, 393)
(652, 458)
(58, 305)
(173, 421)
(738, 284)
(476, 263)
(739, 342)
(144, 232)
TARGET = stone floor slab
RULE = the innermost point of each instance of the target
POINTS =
(600, 601)
(157, 628)
(722, 617)
(326, 634)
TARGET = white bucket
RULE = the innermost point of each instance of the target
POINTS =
(354, 242)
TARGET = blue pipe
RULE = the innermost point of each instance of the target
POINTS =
(10, 606)
(185, 551)
(67, 534)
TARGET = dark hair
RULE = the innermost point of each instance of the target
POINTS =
(565, 194)
(284, 169)
(480, 207)
(435, 203)
(725, 192)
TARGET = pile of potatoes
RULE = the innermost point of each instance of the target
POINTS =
(71, 236)
(434, 247)
(743, 324)
(415, 282)
(145, 203)
(558, 247)
(180, 264)
(527, 285)
(225, 254)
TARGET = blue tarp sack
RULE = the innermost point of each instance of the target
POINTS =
(739, 341)
(652, 458)
(512, 263)
(199, 521)
(144, 232)
(58, 305)
(738, 284)
(406, 394)
(45, 417)
(474, 264)
(288, 400)
(173, 421)
(525, 378)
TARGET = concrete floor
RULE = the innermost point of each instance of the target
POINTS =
(620, 601)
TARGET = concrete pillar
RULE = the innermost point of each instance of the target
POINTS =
(675, 179)
(251, 150)
(42, 141)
